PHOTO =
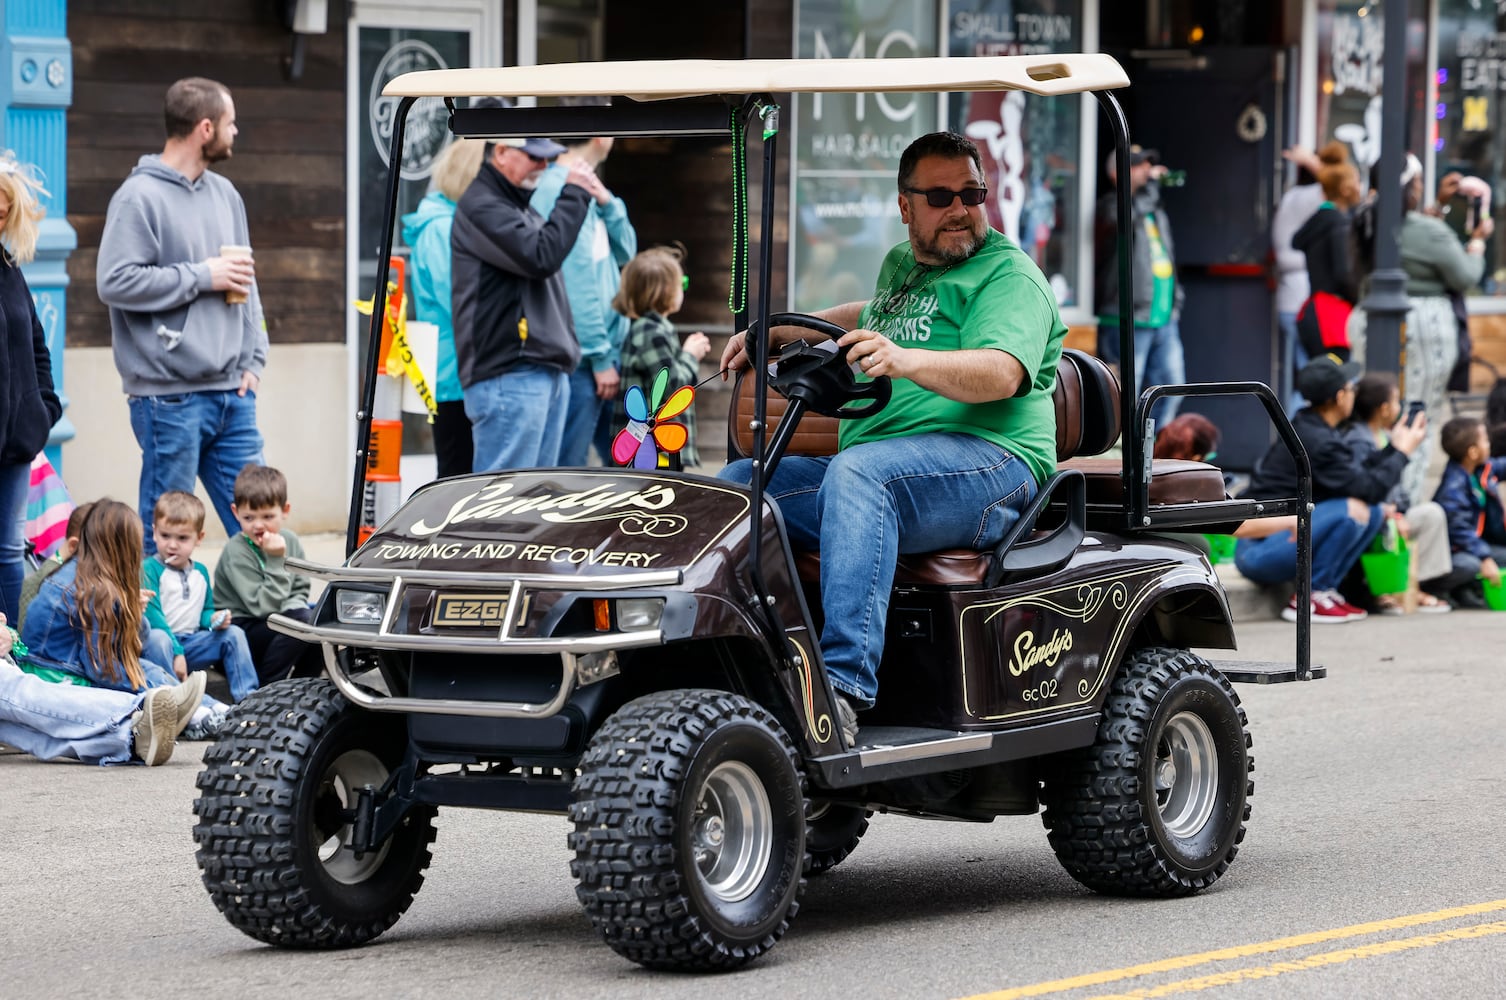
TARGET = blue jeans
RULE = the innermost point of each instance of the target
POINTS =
(206, 435)
(224, 648)
(1158, 361)
(581, 418)
(52, 721)
(156, 649)
(15, 480)
(1338, 541)
(1293, 358)
(518, 418)
(864, 507)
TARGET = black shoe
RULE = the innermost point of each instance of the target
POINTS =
(847, 721)
(1469, 597)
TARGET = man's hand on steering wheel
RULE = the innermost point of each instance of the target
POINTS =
(875, 354)
(734, 357)
(735, 354)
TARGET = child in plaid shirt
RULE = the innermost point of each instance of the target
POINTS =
(653, 288)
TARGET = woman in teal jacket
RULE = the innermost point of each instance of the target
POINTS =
(427, 231)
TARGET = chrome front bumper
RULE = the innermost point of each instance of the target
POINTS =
(570, 649)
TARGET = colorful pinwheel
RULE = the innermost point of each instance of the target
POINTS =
(639, 443)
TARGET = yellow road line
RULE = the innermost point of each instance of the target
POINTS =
(1327, 958)
(1240, 951)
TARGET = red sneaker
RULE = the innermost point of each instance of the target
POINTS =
(1355, 614)
(1323, 611)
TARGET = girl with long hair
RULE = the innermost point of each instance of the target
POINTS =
(87, 618)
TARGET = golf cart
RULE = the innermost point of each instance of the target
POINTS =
(638, 649)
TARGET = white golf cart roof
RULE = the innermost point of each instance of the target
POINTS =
(1047, 75)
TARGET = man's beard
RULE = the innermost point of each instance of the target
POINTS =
(216, 149)
(952, 254)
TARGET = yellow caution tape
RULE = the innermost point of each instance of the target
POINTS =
(400, 360)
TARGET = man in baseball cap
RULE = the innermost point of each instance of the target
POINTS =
(515, 342)
(1155, 293)
(1138, 154)
(1348, 488)
(537, 148)
(1323, 378)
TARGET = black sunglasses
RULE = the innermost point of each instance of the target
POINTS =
(942, 197)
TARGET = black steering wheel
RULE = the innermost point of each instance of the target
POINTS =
(822, 380)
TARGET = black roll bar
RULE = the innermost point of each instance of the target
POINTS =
(378, 315)
(1136, 431)
(757, 349)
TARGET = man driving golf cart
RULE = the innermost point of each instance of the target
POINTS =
(636, 648)
(967, 324)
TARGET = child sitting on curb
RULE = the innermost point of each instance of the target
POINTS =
(1469, 480)
(1377, 408)
(252, 578)
(182, 602)
(87, 618)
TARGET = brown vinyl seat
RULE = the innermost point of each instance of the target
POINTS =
(1086, 400)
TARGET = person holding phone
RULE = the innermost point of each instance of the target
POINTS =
(1348, 491)
(1156, 295)
(1439, 271)
(1378, 411)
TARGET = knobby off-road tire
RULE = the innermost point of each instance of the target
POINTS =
(273, 834)
(1156, 807)
(689, 834)
(832, 833)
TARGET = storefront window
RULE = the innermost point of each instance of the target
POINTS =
(1350, 38)
(1471, 136)
(1031, 146)
(847, 148)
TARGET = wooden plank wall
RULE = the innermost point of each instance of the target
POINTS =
(289, 162)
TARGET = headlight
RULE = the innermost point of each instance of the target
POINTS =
(639, 614)
(359, 607)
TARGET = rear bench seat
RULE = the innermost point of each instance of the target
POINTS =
(1087, 424)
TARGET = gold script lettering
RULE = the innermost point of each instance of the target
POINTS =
(1027, 654)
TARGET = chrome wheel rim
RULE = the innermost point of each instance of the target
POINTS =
(732, 832)
(333, 806)
(1186, 775)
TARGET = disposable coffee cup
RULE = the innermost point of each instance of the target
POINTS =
(236, 252)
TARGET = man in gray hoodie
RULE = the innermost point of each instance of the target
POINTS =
(185, 318)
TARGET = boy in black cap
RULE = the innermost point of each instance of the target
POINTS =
(1347, 490)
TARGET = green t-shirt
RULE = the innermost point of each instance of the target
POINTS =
(1163, 276)
(996, 299)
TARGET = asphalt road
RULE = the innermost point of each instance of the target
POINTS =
(1371, 868)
